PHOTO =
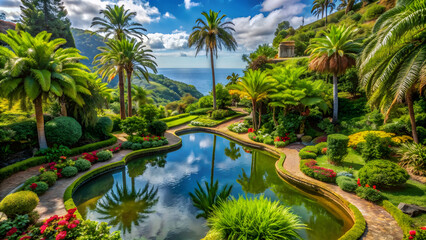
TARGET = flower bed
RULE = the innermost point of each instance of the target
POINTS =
(359, 137)
(310, 168)
(142, 142)
(239, 127)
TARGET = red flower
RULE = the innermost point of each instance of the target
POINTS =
(33, 186)
(72, 210)
(358, 182)
(423, 228)
(43, 228)
(374, 186)
(76, 221)
(11, 231)
(71, 226)
(254, 137)
(410, 237)
(250, 130)
(412, 232)
(366, 185)
(63, 222)
(25, 237)
(61, 235)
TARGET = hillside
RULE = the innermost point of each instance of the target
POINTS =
(163, 90)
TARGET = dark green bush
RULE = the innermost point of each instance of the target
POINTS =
(104, 155)
(133, 125)
(82, 164)
(26, 130)
(374, 12)
(146, 144)
(356, 17)
(149, 112)
(40, 189)
(346, 183)
(116, 121)
(337, 147)
(19, 203)
(383, 174)
(69, 171)
(369, 194)
(63, 131)
(127, 145)
(137, 146)
(103, 127)
(52, 154)
(157, 128)
(48, 177)
(374, 147)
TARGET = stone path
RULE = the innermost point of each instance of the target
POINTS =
(380, 224)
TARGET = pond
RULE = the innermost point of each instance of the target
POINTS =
(149, 197)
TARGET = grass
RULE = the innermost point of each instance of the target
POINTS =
(208, 122)
(353, 159)
(181, 121)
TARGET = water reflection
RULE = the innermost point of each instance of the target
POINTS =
(149, 198)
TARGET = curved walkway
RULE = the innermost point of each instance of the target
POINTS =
(380, 224)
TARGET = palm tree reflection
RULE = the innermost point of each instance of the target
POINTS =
(256, 183)
(233, 152)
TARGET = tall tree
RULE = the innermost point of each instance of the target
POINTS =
(349, 6)
(321, 7)
(394, 57)
(46, 15)
(140, 95)
(334, 53)
(210, 34)
(256, 86)
(233, 79)
(284, 25)
(118, 23)
(34, 68)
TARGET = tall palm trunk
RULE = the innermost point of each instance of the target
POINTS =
(253, 102)
(129, 93)
(214, 81)
(326, 13)
(213, 158)
(121, 89)
(335, 99)
(349, 6)
(63, 104)
(38, 105)
(260, 113)
(409, 99)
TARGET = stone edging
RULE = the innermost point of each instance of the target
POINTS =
(312, 187)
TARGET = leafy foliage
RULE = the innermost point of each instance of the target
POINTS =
(63, 131)
(369, 194)
(383, 174)
(19, 203)
(413, 155)
(337, 147)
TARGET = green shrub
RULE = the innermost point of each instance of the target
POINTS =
(149, 112)
(82, 164)
(369, 194)
(19, 203)
(30, 180)
(69, 171)
(173, 118)
(204, 122)
(103, 126)
(374, 12)
(202, 111)
(374, 147)
(242, 218)
(268, 140)
(221, 114)
(346, 183)
(281, 144)
(306, 139)
(414, 155)
(54, 153)
(138, 146)
(358, 228)
(146, 144)
(157, 128)
(48, 177)
(239, 127)
(307, 155)
(133, 125)
(38, 187)
(127, 145)
(310, 149)
(116, 121)
(104, 155)
(321, 146)
(356, 17)
(326, 126)
(26, 130)
(89, 230)
(337, 147)
(403, 220)
(63, 131)
(383, 174)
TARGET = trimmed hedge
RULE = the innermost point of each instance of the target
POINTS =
(347, 184)
(63, 131)
(383, 174)
(19, 203)
(181, 121)
(358, 228)
(35, 161)
(308, 152)
(337, 147)
(169, 119)
(403, 220)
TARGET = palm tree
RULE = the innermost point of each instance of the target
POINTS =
(393, 59)
(137, 60)
(256, 85)
(343, 4)
(140, 95)
(212, 34)
(321, 6)
(349, 6)
(117, 23)
(34, 68)
(233, 152)
(232, 79)
(334, 53)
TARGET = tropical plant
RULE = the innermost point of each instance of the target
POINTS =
(414, 155)
(233, 152)
(254, 218)
(321, 6)
(211, 34)
(334, 53)
(206, 200)
(117, 22)
(343, 4)
(393, 59)
(255, 85)
(34, 68)
(233, 79)
(140, 95)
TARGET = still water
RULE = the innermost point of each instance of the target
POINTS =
(148, 198)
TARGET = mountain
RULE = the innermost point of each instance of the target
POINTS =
(163, 90)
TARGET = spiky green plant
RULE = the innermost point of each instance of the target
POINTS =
(206, 199)
(254, 218)
(414, 155)
(394, 57)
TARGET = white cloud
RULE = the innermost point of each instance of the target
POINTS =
(252, 31)
(169, 15)
(175, 40)
(189, 4)
(269, 5)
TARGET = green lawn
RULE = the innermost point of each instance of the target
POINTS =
(412, 192)
(181, 121)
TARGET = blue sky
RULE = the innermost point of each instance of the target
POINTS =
(169, 23)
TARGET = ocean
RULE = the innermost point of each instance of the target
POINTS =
(201, 78)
